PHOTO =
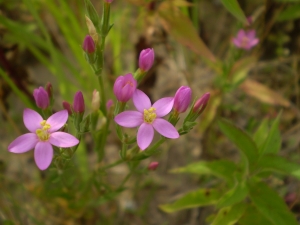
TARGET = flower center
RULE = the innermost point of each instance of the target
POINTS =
(43, 133)
(245, 41)
(149, 115)
(128, 83)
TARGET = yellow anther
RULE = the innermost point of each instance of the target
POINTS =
(43, 133)
(149, 115)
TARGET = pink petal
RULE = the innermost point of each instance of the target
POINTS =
(32, 120)
(43, 154)
(251, 34)
(63, 140)
(163, 106)
(241, 34)
(129, 119)
(23, 143)
(141, 101)
(236, 42)
(57, 120)
(165, 128)
(254, 42)
(145, 136)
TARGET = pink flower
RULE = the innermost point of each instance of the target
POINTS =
(88, 44)
(124, 87)
(41, 97)
(148, 118)
(146, 59)
(245, 39)
(43, 134)
(182, 99)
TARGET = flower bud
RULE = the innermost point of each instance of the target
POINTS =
(66, 105)
(78, 103)
(182, 99)
(41, 98)
(124, 87)
(109, 104)
(146, 59)
(88, 45)
(201, 103)
(153, 166)
(95, 100)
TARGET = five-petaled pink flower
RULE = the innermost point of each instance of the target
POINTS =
(148, 118)
(44, 134)
(245, 39)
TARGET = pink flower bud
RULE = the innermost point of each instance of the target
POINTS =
(78, 103)
(146, 59)
(182, 99)
(109, 104)
(201, 103)
(153, 166)
(124, 87)
(66, 105)
(41, 97)
(88, 44)
(95, 100)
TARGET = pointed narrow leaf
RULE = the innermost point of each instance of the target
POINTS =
(270, 205)
(253, 217)
(280, 165)
(234, 8)
(233, 196)
(261, 133)
(273, 141)
(220, 168)
(241, 139)
(182, 30)
(201, 197)
(229, 215)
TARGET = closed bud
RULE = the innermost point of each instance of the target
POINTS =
(124, 87)
(66, 105)
(88, 45)
(41, 98)
(95, 100)
(182, 99)
(146, 59)
(153, 166)
(78, 103)
(201, 103)
(109, 104)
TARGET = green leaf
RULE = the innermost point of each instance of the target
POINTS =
(261, 133)
(270, 205)
(273, 141)
(290, 13)
(280, 165)
(234, 8)
(220, 168)
(253, 217)
(229, 215)
(241, 139)
(193, 199)
(236, 194)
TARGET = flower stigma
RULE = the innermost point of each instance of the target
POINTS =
(43, 133)
(245, 41)
(149, 115)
